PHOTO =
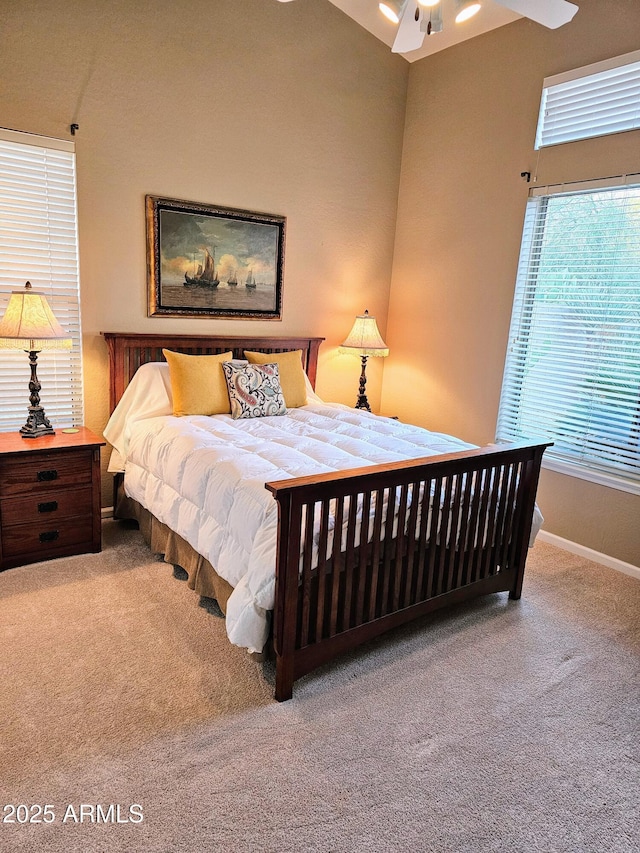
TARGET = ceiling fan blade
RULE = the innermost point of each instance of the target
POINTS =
(549, 13)
(409, 36)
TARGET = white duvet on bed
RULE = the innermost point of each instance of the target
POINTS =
(204, 477)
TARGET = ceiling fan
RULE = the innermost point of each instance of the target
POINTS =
(419, 18)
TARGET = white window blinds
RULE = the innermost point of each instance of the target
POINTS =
(38, 243)
(572, 371)
(592, 101)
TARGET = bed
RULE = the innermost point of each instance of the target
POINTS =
(321, 528)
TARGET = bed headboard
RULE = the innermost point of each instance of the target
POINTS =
(128, 351)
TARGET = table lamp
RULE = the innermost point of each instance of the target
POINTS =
(364, 340)
(30, 324)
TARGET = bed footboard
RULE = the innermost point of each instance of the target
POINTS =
(365, 550)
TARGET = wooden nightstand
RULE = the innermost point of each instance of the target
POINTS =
(49, 496)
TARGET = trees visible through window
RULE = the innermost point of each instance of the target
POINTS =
(572, 371)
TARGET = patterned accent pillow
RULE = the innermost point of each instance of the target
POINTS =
(254, 390)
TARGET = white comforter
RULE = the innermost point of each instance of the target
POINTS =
(204, 477)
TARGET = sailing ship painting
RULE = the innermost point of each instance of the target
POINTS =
(211, 261)
(204, 276)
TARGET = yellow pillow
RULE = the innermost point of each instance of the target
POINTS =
(291, 372)
(198, 385)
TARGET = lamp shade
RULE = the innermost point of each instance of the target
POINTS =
(364, 339)
(30, 324)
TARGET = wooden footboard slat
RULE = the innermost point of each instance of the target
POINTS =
(483, 516)
(506, 474)
(421, 555)
(378, 497)
(472, 527)
(336, 564)
(465, 520)
(362, 561)
(305, 579)
(351, 578)
(425, 590)
(435, 526)
(388, 550)
(526, 491)
(457, 532)
(504, 537)
(400, 577)
(438, 581)
(488, 559)
(411, 537)
(407, 538)
(323, 534)
(454, 536)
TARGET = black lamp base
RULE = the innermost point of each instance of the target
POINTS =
(37, 424)
(362, 402)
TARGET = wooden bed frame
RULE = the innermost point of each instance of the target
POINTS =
(412, 537)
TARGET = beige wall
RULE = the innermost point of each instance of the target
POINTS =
(293, 110)
(471, 120)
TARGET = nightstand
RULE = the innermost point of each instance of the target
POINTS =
(49, 496)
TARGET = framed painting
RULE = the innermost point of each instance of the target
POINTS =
(206, 261)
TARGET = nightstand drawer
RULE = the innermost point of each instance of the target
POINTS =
(46, 538)
(44, 473)
(39, 509)
(49, 496)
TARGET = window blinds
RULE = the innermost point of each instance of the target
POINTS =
(592, 101)
(572, 372)
(38, 243)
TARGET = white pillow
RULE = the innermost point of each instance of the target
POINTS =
(148, 395)
(312, 397)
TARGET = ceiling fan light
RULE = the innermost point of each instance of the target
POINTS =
(466, 9)
(392, 9)
(428, 3)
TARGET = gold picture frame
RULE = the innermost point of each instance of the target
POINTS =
(209, 261)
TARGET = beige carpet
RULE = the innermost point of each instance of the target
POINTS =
(500, 726)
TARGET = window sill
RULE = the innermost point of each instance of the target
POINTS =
(592, 475)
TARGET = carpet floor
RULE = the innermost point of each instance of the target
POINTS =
(496, 726)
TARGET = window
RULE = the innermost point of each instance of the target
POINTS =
(38, 243)
(592, 101)
(572, 371)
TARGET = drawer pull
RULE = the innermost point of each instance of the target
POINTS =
(45, 476)
(49, 536)
(49, 506)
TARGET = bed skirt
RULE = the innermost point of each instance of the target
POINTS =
(202, 577)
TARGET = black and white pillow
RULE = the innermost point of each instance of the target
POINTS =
(254, 390)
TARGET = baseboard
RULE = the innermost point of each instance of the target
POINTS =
(107, 512)
(589, 554)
